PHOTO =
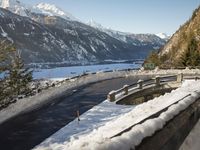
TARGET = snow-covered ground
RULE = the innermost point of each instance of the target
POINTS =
(94, 118)
(98, 136)
(65, 72)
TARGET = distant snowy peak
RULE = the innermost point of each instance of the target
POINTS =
(135, 39)
(53, 10)
(21, 9)
(14, 6)
(94, 24)
(163, 36)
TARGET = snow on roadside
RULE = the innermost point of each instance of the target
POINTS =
(99, 137)
(94, 118)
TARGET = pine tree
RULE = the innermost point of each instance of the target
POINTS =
(19, 77)
(154, 58)
(6, 51)
(14, 77)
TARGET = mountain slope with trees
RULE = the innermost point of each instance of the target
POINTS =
(183, 49)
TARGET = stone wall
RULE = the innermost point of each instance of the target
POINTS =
(174, 132)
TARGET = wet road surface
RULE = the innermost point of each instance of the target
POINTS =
(28, 130)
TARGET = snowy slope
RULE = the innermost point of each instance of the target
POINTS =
(100, 137)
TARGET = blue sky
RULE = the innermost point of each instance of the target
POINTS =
(136, 16)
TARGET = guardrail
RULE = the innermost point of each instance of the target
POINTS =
(157, 81)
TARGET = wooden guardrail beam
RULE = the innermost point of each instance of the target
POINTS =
(140, 84)
(111, 96)
(157, 81)
(179, 78)
(125, 87)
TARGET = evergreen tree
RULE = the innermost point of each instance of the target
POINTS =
(191, 57)
(14, 77)
(154, 58)
(19, 77)
(6, 51)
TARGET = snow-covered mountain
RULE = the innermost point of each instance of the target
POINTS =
(22, 9)
(46, 34)
(15, 6)
(52, 10)
(163, 36)
(135, 39)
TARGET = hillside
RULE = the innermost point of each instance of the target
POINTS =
(183, 49)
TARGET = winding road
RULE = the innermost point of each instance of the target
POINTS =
(28, 130)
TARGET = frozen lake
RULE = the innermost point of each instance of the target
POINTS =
(64, 72)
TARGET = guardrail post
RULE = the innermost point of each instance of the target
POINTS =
(157, 81)
(125, 87)
(179, 77)
(140, 84)
(111, 96)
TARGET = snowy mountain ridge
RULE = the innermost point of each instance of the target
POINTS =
(15, 6)
(53, 10)
(135, 39)
(22, 9)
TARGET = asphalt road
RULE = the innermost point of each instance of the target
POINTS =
(28, 130)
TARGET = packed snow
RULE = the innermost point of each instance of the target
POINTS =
(100, 137)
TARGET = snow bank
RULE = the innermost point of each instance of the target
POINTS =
(100, 137)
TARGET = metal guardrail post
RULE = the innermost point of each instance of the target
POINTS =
(179, 77)
(140, 84)
(111, 96)
(157, 81)
(125, 89)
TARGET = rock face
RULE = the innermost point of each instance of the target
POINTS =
(47, 35)
(185, 43)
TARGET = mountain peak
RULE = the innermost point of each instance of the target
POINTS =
(163, 36)
(14, 6)
(53, 10)
(9, 3)
(94, 24)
